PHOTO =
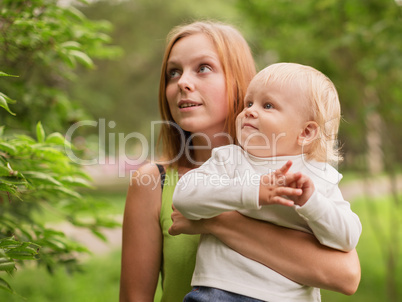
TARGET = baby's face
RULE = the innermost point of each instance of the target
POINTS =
(272, 120)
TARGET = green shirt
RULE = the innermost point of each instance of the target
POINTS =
(179, 252)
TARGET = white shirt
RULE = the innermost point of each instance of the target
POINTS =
(229, 181)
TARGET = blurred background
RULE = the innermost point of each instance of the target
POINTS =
(88, 71)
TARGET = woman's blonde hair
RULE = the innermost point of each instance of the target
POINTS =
(322, 104)
(238, 67)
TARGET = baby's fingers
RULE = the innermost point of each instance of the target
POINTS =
(283, 201)
(291, 178)
(284, 169)
(288, 191)
(302, 181)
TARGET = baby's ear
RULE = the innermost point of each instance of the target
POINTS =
(308, 134)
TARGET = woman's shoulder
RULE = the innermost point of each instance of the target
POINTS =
(146, 178)
(149, 168)
(144, 193)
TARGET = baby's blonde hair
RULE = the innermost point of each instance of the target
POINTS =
(322, 98)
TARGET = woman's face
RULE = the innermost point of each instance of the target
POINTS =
(196, 88)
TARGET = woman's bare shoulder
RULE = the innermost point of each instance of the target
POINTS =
(145, 186)
(146, 176)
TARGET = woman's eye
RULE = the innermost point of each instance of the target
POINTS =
(205, 68)
(268, 106)
(174, 73)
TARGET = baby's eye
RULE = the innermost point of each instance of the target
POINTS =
(268, 106)
(205, 68)
(174, 73)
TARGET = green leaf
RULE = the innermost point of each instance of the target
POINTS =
(42, 177)
(66, 191)
(71, 45)
(3, 103)
(25, 251)
(8, 242)
(76, 181)
(5, 286)
(25, 138)
(75, 13)
(48, 153)
(40, 132)
(3, 74)
(7, 265)
(8, 99)
(21, 255)
(8, 188)
(99, 235)
(82, 57)
(12, 181)
(57, 139)
(5, 171)
(10, 149)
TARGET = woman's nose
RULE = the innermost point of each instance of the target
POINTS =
(185, 82)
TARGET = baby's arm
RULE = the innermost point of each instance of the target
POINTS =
(214, 188)
(328, 215)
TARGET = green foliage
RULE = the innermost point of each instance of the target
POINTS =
(356, 43)
(43, 42)
(373, 285)
(99, 281)
(35, 174)
(12, 250)
(5, 100)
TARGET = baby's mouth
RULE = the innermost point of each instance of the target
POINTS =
(249, 125)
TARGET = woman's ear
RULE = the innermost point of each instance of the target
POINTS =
(309, 133)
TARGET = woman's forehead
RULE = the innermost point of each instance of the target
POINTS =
(194, 47)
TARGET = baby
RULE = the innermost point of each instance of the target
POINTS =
(287, 135)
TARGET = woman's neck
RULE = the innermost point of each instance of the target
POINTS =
(203, 145)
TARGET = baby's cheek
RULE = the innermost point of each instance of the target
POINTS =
(238, 124)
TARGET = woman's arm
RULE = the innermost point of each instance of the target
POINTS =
(142, 237)
(296, 255)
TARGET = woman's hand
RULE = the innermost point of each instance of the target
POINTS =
(182, 225)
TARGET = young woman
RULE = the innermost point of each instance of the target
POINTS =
(205, 73)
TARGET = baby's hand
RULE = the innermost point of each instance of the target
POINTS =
(275, 185)
(307, 186)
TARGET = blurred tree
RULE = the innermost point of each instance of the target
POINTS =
(358, 45)
(42, 43)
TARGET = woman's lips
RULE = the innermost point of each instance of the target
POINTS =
(187, 105)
